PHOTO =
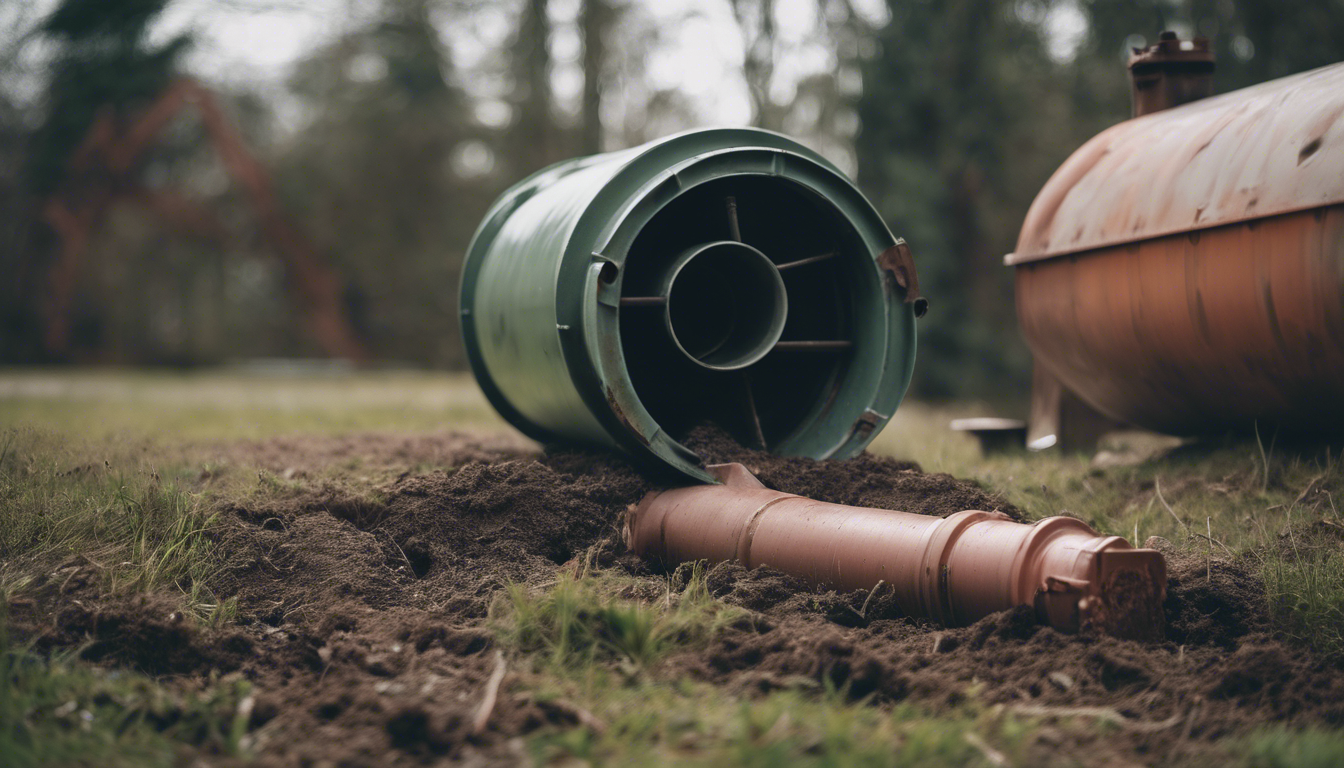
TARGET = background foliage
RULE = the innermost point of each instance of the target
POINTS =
(388, 144)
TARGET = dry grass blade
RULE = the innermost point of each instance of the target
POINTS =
(1208, 562)
(409, 568)
(863, 610)
(992, 756)
(487, 707)
(1311, 484)
(1100, 713)
(1157, 485)
(1210, 539)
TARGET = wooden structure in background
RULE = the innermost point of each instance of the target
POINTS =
(100, 173)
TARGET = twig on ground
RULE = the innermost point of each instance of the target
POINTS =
(1190, 718)
(587, 719)
(1307, 490)
(863, 612)
(491, 696)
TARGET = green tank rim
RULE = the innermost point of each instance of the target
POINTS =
(648, 178)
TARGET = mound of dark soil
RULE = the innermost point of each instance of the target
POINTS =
(148, 633)
(863, 481)
(1220, 672)
(361, 614)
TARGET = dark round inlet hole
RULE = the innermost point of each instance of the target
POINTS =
(726, 304)
(608, 273)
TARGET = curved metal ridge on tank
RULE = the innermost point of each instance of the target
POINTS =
(1184, 271)
(1266, 150)
(729, 276)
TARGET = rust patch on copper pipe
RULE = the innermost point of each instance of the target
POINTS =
(954, 570)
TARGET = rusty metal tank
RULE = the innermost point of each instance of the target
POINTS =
(1184, 270)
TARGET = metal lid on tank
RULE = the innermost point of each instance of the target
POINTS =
(1266, 150)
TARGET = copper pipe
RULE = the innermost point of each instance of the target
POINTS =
(954, 570)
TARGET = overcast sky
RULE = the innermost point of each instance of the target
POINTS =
(255, 43)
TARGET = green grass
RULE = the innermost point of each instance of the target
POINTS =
(103, 468)
(694, 724)
(592, 652)
(1304, 584)
(1284, 748)
(55, 710)
(219, 405)
(578, 621)
(106, 506)
(1221, 485)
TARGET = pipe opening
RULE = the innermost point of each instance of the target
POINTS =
(726, 305)
(679, 371)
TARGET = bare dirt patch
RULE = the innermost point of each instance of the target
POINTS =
(361, 615)
(301, 455)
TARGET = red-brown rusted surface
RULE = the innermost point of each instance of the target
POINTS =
(1169, 73)
(1184, 271)
(954, 570)
(1273, 148)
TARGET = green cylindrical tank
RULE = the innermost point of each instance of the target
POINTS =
(726, 276)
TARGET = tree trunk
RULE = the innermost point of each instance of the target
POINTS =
(595, 21)
(534, 130)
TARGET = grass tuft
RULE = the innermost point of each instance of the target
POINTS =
(1305, 591)
(139, 530)
(689, 724)
(1283, 748)
(577, 621)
